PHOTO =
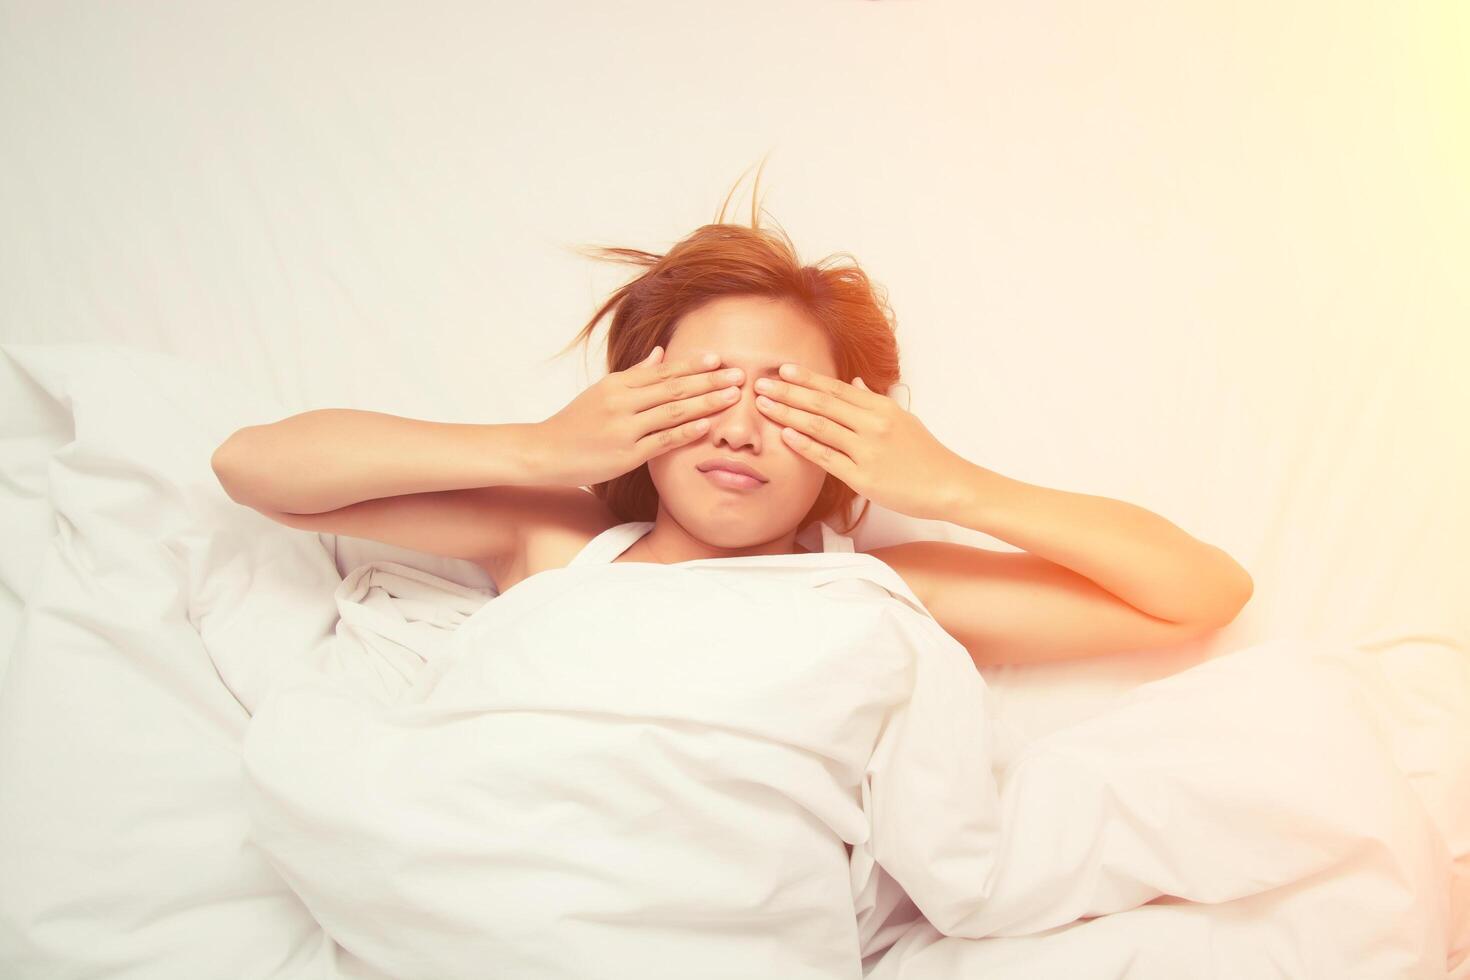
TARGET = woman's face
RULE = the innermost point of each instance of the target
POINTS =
(757, 335)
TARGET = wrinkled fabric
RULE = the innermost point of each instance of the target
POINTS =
(1247, 817)
(782, 766)
(726, 767)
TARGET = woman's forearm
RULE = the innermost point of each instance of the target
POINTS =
(328, 458)
(1141, 557)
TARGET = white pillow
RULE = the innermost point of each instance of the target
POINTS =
(32, 427)
(123, 846)
(1416, 692)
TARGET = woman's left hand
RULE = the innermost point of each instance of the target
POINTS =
(865, 439)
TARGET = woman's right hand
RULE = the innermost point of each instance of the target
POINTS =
(628, 417)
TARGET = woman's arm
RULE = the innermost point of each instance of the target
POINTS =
(328, 458)
(1137, 555)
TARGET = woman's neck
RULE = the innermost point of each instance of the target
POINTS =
(653, 547)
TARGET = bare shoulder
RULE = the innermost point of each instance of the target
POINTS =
(554, 529)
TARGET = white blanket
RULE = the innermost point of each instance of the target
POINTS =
(1244, 818)
(484, 791)
(631, 770)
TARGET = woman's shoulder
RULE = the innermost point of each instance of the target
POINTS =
(564, 520)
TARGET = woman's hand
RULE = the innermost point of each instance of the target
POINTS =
(864, 439)
(628, 417)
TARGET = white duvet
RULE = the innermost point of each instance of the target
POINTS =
(635, 770)
(726, 768)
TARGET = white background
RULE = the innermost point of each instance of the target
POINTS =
(1204, 258)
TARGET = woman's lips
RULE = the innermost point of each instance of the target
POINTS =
(732, 481)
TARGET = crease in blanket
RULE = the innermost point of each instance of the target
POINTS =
(393, 620)
(478, 772)
(451, 739)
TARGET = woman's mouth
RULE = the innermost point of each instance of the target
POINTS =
(732, 481)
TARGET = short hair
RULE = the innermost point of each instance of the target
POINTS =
(722, 259)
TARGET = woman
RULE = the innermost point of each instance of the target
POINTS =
(716, 760)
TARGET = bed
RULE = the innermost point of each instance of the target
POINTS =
(251, 252)
(150, 614)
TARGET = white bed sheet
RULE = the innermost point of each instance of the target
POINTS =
(162, 613)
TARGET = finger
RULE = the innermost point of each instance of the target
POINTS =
(860, 383)
(829, 459)
(818, 401)
(817, 427)
(654, 368)
(663, 440)
(863, 397)
(681, 386)
(662, 415)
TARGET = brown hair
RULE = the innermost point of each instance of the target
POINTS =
(731, 260)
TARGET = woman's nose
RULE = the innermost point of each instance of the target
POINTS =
(743, 404)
